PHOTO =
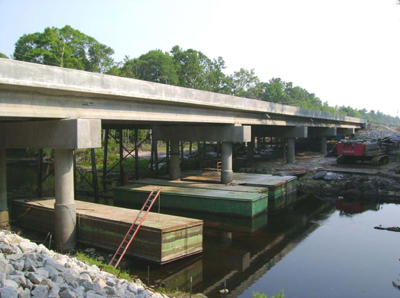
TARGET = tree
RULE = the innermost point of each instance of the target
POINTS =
(65, 47)
(3, 56)
(245, 83)
(155, 66)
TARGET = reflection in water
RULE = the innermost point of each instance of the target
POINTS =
(310, 249)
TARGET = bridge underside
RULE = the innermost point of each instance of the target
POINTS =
(64, 109)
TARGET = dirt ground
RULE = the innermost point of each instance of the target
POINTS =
(355, 181)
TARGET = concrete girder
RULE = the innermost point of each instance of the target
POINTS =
(203, 133)
(345, 131)
(315, 132)
(67, 134)
(27, 87)
(280, 131)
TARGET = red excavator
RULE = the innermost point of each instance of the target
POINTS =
(352, 151)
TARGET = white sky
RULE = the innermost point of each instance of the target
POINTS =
(347, 52)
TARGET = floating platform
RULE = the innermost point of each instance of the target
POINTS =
(238, 201)
(161, 238)
(277, 186)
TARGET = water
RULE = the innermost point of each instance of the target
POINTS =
(311, 249)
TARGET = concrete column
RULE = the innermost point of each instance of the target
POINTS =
(291, 151)
(175, 167)
(64, 207)
(4, 220)
(250, 150)
(324, 146)
(226, 172)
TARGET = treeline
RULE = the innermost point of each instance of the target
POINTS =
(70, 48)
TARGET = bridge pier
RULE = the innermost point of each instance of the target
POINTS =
(324, 146)
(226, 134)
(64, 207)
(226, 171)
(4, 219)
(63, 136)
(291, 150)
(174, 163)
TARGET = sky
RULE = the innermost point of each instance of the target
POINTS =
(347, 52)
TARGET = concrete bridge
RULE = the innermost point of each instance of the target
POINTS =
(64, 109)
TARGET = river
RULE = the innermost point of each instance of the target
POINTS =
(314, 248)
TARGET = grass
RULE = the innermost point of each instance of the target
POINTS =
(260, 295)
(104, 267)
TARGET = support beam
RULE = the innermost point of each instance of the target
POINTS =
(64, 207)
(4, 219)
(316, 132)
(69, 133)
(280, 131)
(175, 169)
(226, 172)
(345, 131)
(228, 133)
(291, 150)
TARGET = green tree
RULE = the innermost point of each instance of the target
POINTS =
(245, 83)
(3, 56)
(155, 66)
(65, 47)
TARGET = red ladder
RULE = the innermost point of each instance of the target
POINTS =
(126, 242)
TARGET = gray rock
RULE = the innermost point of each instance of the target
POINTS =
(25, 293)
(110, 290)
(73, 283)
(30, 264)
(29, 284)
(31, 256)
(14, 257)
(8, 292)
(90, 250)
(27, 246)
(98, 286)
(2, 276)
(87, 285)
(48, 282)
(54, 292)
(19, 265)
(52, 272)
(320, 175)
(67, 294)
(34, 278)
(92, 294)
(19, 279)
(79, 291)
(85, 276)
(331, 176)
(110, 282)
(9, 283)
(133, 288)
(42, 272)
(7, 249)
(40, 291)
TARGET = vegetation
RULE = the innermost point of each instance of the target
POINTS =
(259, 295)
(68, 47)
(3, 56)
(105, 267)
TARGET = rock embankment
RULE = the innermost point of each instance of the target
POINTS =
(31, 270)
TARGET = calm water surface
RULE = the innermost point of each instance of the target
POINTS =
(311, 249)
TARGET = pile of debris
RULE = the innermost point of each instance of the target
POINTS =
(30, 270)
(371, 134)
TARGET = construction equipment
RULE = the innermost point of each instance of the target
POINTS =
(351, 151)
(126, 242)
